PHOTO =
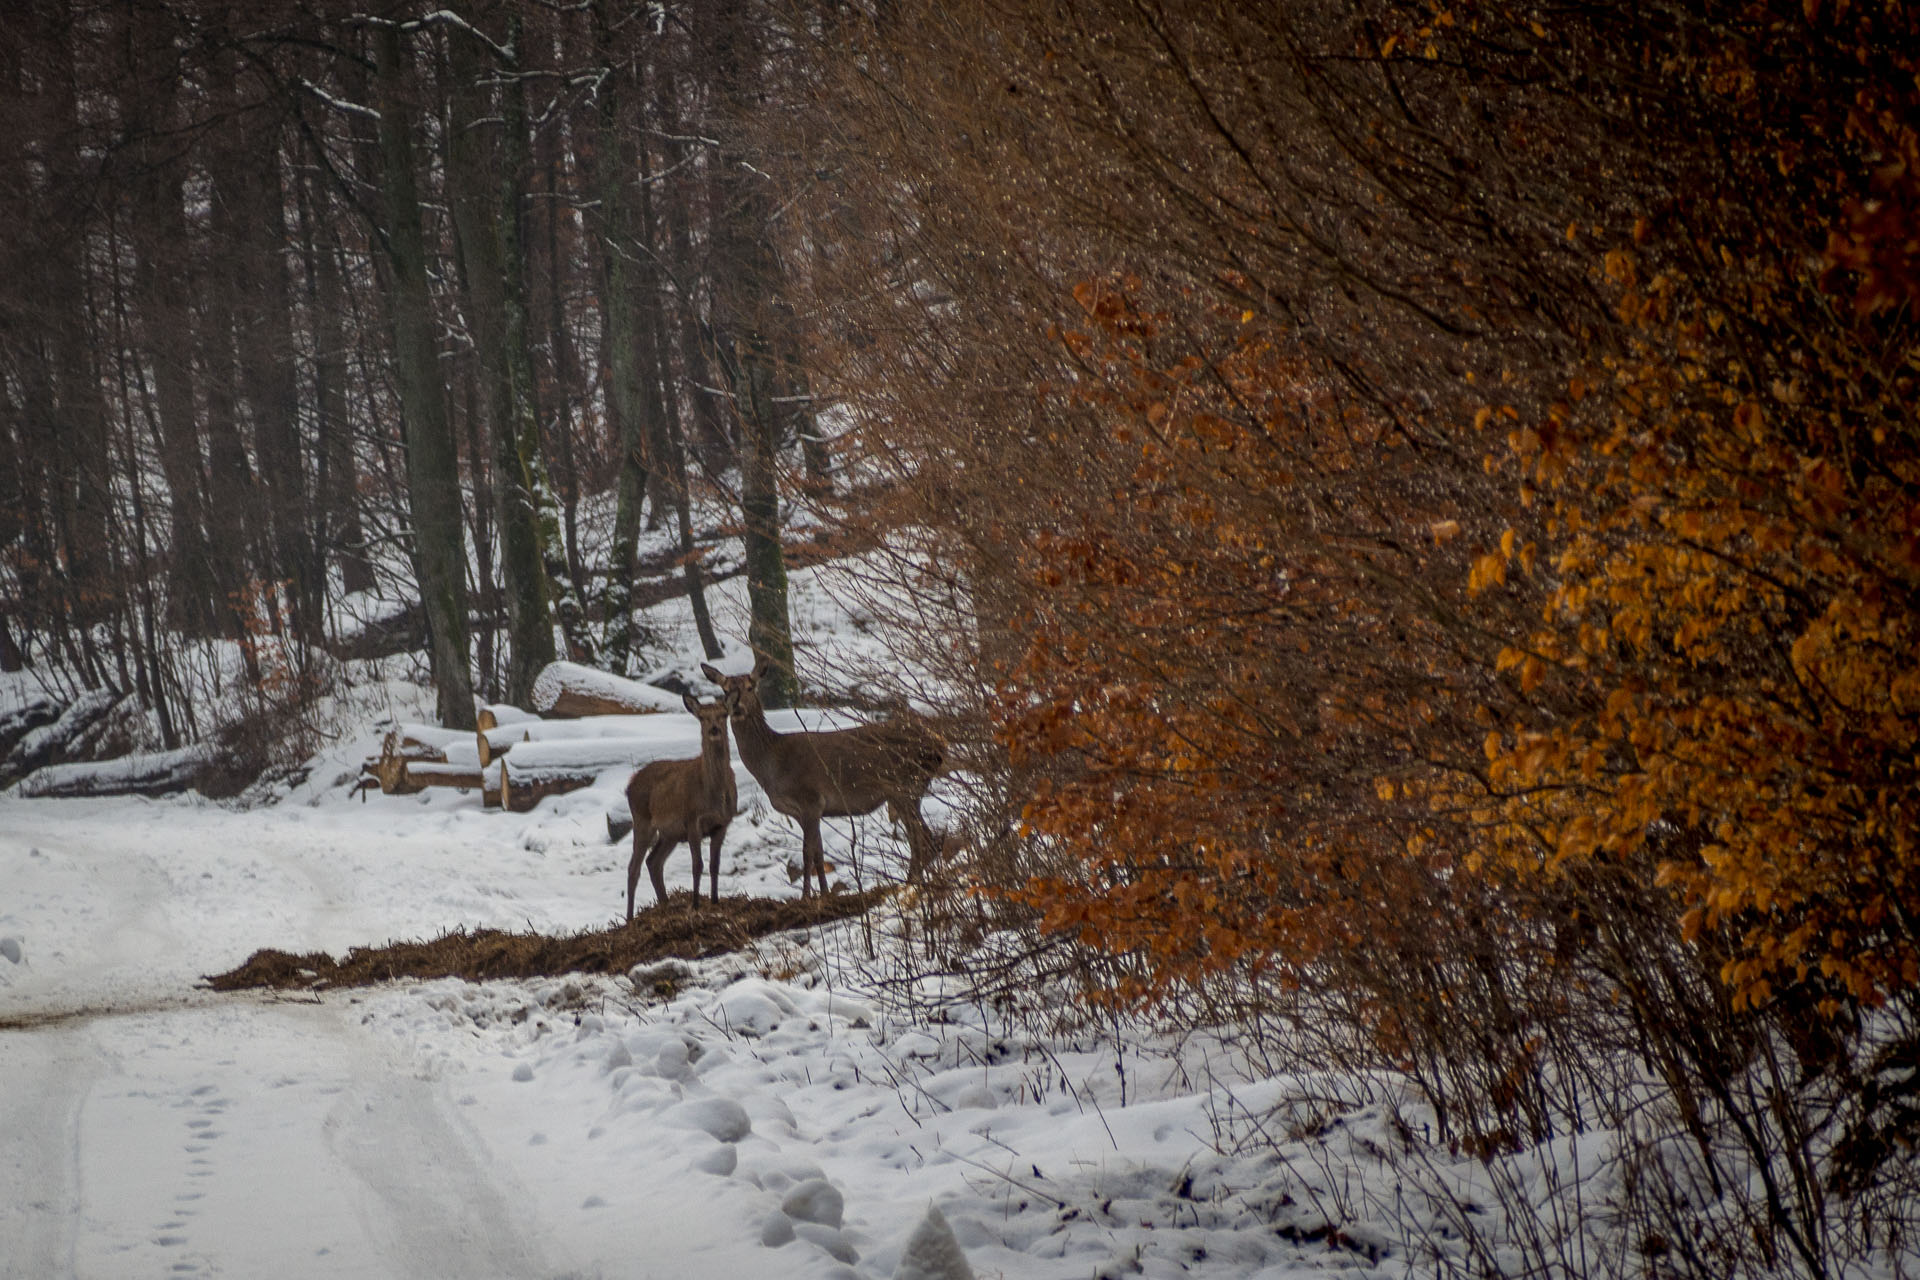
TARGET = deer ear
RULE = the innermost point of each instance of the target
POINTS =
(763, 668)
(706, 669)
(691, 703)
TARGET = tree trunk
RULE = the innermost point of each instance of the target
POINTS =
(272, 382)
(566, 571)
(233, 511)
(433, 478)
(81, 494)
(746, 291)
(768, 631)
(622, 347)
(159, 234)
(678, 479)
(336, 500)
(484, 187)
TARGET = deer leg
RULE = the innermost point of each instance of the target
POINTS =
(713, 864)
(633, 865)
(920, 845)
(693, 847)
(813, 857)
(656, 861)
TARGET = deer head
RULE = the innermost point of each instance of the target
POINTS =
(712, 717)
(740, 694)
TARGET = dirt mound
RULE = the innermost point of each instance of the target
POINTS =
(675, 930)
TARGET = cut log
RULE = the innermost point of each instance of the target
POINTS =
(565, 690)
(498, 741)
(155, 773)
(500, 714)
(404, 744)
(533, 771)
(428, 741)
(521, 797)
(519, 793)
(422, 774)
(494, 742)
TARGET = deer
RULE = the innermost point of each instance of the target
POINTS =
(842, 773)
(691, 800)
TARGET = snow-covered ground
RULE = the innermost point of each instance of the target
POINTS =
(565, 1126)
(783, 1113)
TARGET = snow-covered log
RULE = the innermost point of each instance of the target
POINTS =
(428, 741)
(566, 690)
(533, 771)
(501, 739)
(494, 742)
(142, 774)
(407, 743)
(499, 714)
(522, 796)
(17, 722)
(421, 774)
(49, 743)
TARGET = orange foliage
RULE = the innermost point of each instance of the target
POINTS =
(1733, 604)
(1192, 734)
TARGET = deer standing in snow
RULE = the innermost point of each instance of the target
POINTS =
(691, 800)
(841, 773)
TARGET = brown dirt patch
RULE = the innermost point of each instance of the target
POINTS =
(673, 931)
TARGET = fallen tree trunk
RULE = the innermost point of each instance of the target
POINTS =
(49, 744)
(565, 690)
(155, 773)
(17, 722)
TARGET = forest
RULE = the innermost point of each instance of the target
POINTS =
(1409, 512)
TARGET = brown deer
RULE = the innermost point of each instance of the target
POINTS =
(838, 774)
(691, 800)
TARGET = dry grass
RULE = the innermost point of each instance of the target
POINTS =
(675, 930)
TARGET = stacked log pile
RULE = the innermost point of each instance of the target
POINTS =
(581, 729)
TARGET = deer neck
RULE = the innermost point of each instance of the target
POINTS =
(714, 767)
(756, 739)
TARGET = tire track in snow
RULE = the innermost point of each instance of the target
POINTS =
(427, 1200)
(243, 1137)
(45, 1077)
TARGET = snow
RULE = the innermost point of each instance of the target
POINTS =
(770, 1114)
(932, 1253)
(796, 1111)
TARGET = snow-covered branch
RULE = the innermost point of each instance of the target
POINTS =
(338, 104)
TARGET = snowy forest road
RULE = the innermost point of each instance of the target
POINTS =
(229, 1137)
(149, 1128)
